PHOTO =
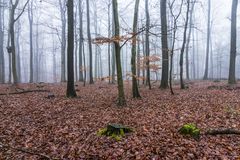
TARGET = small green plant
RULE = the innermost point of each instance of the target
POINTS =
(115, 131)
(190, 129)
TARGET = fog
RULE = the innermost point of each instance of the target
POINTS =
(47, 28)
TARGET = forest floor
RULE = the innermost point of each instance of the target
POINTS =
(64, 128)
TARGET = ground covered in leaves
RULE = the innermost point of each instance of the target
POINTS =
(63, 128)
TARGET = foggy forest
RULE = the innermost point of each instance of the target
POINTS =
(115, 79)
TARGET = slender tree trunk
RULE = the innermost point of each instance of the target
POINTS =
(30, 19)
(148, 80)
(183, 45)
(2, 63)
(109, 45)
(89, 44)
(81, 68)
(121, 96)
(208, 40)
(113, 53)
(189, 38)
(165, 56)
(231, 77)
(135, 91)
(63, 40)
(70, 50)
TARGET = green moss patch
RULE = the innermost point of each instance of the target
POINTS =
(190, 129)
(116, 131)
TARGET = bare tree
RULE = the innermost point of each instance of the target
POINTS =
(208, 41)
(89, 43)
(183, 45)
(231, 77)
(147, 47)
(11, 48)
(165, 56)
(62, 5)
(70, 50)
(121, 96)
(2, 63)
(135, 91)
(30, 19)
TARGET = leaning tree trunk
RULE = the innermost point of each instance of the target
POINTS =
(135, 91)
(231, 77)
(208, 41)
(183, 46)
(165, 56)
(121, 96)
(70, 51)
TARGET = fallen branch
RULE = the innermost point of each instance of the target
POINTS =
(24, 150)
(222, 131)
(24, 91)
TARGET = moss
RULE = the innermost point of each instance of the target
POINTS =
(190, 129)
(115, 131)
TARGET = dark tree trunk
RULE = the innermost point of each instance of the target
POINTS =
(231, 77)
(70, 51)
(121, 96)
(165, 56)
(135, 91)
(147, 47)
(89, 44)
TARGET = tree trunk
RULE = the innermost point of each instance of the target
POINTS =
(135, 91)
(208, 40)
(89, 44)
(189, 38)
(165, 56)
(121, 96)
(81, 68)
(30, 19)
(109, 45)
(63, 40)
(2, 62)
(70, 51)
(183, 45)
(231, 77)
(148, 80)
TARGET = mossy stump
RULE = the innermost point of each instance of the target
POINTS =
(190, 129)
(116, 131)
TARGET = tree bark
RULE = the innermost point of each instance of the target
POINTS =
(135, 91)
(232, 66)
(208, 41)
(70, 50)
(164, 38)
(89, 44)
(183, 45)
(121, 96)
(80, 41)
(147, 47)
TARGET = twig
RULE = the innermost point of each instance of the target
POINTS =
(22, 92)
(24, 150)
(222, 131)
